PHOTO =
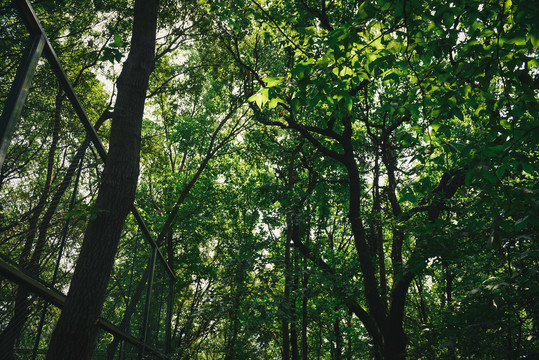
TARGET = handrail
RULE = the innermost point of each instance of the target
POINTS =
(18, 275)
(19, 92)
(38, 45)
(34, 26)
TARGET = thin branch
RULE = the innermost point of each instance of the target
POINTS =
(279, 28)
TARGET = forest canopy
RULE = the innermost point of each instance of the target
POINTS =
(324, 179)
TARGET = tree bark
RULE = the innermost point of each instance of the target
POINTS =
(286, 295)
(304, 314)
(294, 348)
(338, 340)
(76, 331)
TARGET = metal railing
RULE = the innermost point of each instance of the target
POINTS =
(137, 314)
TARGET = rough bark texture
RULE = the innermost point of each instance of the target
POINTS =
(75, 334)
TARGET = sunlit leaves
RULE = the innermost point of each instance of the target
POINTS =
(271, 82)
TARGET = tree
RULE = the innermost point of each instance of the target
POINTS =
(370, 88)
(46, 106)
(328, 180)
(76, 330)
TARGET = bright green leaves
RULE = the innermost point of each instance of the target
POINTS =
(274, 102)
(118, 42)
(261, 97)
(114, 51)
(271, 82)
(395, 46)
(344, 71)
(301, 71)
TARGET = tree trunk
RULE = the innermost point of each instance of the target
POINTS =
(338, 340)
(286, 299)
(239, 293)
(304, 284)
(231, 343)
(304, 315)
(293, 318)
(76, 331)
(394, 347)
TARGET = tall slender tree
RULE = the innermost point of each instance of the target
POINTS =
(76, 331)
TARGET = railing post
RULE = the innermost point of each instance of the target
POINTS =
(170, 302)
(148, 300)
(18, 93)
(38, 46)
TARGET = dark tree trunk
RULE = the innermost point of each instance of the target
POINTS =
(231, 343)
(338, 340)
(394, 346)
(304, 298)
(14, 328)
(286, 299)
(304, 315)
(76, 331)
(239, 293)
(293, 318)
(422, 305)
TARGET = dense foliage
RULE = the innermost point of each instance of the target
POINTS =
(327, 179)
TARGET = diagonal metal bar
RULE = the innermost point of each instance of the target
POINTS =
(148, 236)
(20, 276)
(45, 47)
(148, 301)
(35, 27)
(18, 93)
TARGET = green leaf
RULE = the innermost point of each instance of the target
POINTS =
(409, 196)
(469, 177)
(534, 40)
(322, 63)
(111, 54)
(348, 102)
(265, 94)
(505, 124)
(413, 109)
(521, 223)
(295, 105)
(346, 71)
(395, 46)
(118, 41)
(274, 102)
(527, 168)
(273, 81)
(501, 171)
(517, 41)
(489, 176)
(533, 63)
(260, 98)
